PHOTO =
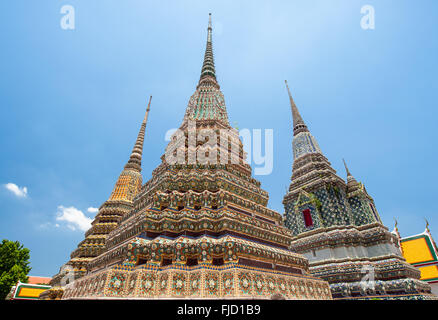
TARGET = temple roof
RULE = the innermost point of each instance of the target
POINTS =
(421, 251)
(28, 291)
(38, 280)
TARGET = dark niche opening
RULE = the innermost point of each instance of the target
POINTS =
(192, 262)
(166, 262)
(180, 208)
(141, 261)
(218, 261)
(197, 207)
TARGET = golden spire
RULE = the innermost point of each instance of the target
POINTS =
(136, 154)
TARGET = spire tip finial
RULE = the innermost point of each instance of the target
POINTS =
(208, 71)
(288, 91)
(134, 161)
(298, 123)
(149, 104)
(395, 231)
(346, 168)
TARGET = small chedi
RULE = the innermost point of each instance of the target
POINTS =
(337, 227)
(199, 228)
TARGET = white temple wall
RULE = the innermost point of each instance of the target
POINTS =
(318, 255)
(434, 287)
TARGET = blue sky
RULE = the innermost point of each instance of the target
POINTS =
(72, 100)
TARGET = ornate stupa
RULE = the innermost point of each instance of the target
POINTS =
(120, 202)
(199, 228)
(337, 227)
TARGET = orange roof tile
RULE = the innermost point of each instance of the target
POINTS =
(39, 280)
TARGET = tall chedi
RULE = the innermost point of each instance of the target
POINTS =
(119, 203)
(337, 227)
(200, 226)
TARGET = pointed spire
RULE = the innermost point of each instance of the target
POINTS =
(208, 71)
(395, 231)
(136, 155)
(298, 123)
(352, 184)
(346, 168)
(207, 102)
(427, 232)
(427, 226)
(397, 234)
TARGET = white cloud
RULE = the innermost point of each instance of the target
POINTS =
(19, 192)
(44, 225)
(75, 218)
(92, 210)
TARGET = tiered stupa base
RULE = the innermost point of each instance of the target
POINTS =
(205, 281)
(361, 263)
(226, 270)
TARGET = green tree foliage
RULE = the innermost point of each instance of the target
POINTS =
(14, 265)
